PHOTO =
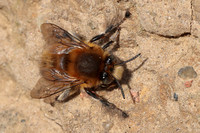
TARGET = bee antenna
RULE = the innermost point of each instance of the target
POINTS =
(119, 85)
(124, 62)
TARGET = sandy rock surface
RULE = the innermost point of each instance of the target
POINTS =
(166, 18)
(166, 33)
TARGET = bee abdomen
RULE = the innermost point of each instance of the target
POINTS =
(48, 61)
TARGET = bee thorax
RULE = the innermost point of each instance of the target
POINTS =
(88, 64)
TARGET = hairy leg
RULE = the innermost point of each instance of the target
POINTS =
(106, 103)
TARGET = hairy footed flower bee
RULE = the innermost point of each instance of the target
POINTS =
(69, 64)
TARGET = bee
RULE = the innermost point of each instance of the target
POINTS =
(70, 64)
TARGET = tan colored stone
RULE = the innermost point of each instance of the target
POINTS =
(196, 18)
(165, 17)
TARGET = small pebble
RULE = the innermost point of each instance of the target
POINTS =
(23, 120)
(175, 97)
(107, 126)
(83, 95)
(187, 72)
(135, 96)
(188, 84)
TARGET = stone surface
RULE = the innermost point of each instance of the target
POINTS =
(196, 18)
(156, 79)
(165, 17)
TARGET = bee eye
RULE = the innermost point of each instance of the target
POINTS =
(104, 75)
(109, 60)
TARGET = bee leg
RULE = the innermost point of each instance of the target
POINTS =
(111, 29)
(107, 44)
(112, 40)
(108, 33)
(97, 37)
(106, 103)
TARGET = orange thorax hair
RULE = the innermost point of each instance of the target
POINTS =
(83, 64)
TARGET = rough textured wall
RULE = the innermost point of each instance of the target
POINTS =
(166, 32)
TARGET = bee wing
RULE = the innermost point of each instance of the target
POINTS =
(45, 88)
(54, 34)
(56, 75)
(63, 95)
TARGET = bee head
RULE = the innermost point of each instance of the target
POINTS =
(106, 74)
(114, 71)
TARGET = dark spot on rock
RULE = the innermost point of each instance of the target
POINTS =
(187, 72)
